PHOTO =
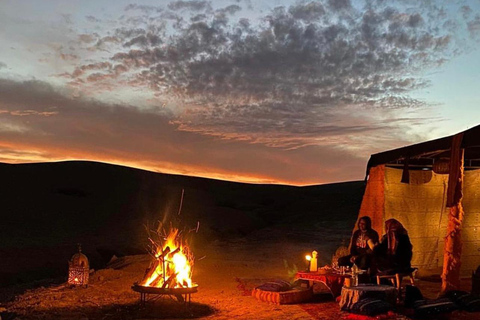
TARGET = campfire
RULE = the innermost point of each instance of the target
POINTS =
(170, 272)
(172, 265)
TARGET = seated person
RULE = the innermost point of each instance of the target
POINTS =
(361, 245)
(394, 252)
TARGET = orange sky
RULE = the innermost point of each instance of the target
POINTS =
(265, 92)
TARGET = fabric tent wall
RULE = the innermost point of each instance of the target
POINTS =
(373, 204)
(471, 222)
(420, 207)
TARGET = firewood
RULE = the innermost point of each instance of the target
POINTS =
(169, 280)
(164, 253)
(150, 271)
(157, 281)
(171, 254)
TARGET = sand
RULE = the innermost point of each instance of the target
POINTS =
(226, 273)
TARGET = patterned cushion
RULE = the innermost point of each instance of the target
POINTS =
(296, 295)
(412, 294)
(275, 286)
(371, 307)
(469, 302)
(428, 308)
(464, 300)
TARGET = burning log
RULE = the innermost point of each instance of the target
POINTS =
(174, 252)
(151, 270)
(170, 272)
(164, 253)
(169, 282)
(157, 281)
(172, 265)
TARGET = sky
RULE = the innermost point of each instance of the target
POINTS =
(267, 91)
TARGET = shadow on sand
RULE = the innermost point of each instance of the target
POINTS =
(160, 309)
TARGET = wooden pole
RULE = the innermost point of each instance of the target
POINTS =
(453, 240)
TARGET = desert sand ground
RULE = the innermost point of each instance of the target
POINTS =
(249, 234)
(226, 275)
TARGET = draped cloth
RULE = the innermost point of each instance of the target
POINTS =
(393, 229)
(351, 295)
(453, 240)
(373, 203)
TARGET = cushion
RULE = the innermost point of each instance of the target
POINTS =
(371, 307)
(275, 286)
(469, 302)
(430, 308)
(412, 294)
(295, 295)
(464, 300)
(454, 294)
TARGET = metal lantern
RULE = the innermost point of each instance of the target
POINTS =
(441, 166)
(78, 269)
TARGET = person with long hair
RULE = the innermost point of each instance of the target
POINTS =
(394, 252)
(361, 245)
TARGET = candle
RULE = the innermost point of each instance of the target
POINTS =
(313, 262)
(308, 258)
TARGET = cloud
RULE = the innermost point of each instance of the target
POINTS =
(91, 18)
(3, 65)
(82, 128)
(313, 77)
(263, 79)
(22, 113)
(474, 26)
(87, 38)
(194, 5)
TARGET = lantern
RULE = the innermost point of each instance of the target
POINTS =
(78, 269)
(313, 262)
(308, 258)
(441, 166)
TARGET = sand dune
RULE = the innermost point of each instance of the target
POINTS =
(248, 234)
(48, 208)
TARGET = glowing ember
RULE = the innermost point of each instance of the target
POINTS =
(172, 265)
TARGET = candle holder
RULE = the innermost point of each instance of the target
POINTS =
(314, 262)
(308, 258)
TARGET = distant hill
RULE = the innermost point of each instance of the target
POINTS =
(47, 208)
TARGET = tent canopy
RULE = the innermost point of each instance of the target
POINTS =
(421, 201)
(425, 153)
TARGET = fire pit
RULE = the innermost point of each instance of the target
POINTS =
(182, 294)
(170, 272)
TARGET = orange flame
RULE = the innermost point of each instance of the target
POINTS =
(172, 265)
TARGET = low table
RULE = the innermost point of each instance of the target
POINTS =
(351, 295)
(332, 280)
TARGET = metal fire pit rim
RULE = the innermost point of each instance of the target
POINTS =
(155, 290)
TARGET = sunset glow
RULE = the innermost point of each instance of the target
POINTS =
(285, 91)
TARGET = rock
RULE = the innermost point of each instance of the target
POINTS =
(113, 258)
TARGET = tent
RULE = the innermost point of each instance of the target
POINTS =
(433, 189)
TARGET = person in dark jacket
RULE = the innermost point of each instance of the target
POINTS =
(394, 252)
(361, 245)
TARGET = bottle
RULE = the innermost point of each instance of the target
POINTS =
(354, 275)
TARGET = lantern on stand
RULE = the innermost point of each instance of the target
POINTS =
(78, 269)
(312, 265)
